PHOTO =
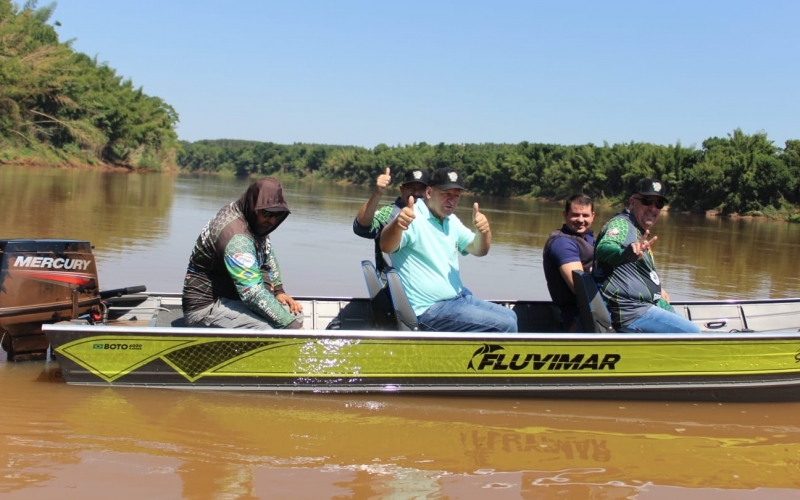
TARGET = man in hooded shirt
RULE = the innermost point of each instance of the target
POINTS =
(233, 279)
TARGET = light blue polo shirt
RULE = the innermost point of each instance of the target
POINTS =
(427, 259)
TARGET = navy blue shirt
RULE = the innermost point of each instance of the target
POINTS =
(562, 247)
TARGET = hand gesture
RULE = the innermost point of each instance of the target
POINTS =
(479, 220)
(641, 246)
(406, 215)
(383, 181)
(294, 306)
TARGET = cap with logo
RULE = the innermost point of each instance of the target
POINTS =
(416, 175)
(651, 187)
(447, 178)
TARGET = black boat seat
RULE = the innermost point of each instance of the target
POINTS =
(537, 317)
(383, 316)
(592, 309)
(406, 319)
(374, 285)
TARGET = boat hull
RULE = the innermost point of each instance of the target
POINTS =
(146, 345)
(754, 366)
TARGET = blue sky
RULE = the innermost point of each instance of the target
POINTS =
(402, 72)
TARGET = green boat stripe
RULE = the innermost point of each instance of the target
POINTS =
(111, 357)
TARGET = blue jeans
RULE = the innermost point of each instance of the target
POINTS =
(657, 320)
(465, 313)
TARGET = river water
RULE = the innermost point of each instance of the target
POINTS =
(64, 442)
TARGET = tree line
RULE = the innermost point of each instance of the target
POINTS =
(61, 106)
(740, 173)
(58, 105)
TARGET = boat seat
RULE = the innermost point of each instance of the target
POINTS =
(374, 285)
(592, 309)
(404, 313)
(352, 314)
(536, 317)
(383, 315)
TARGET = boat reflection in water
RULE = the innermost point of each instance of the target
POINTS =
(154, 443)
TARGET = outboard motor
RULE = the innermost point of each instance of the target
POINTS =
(43, 281)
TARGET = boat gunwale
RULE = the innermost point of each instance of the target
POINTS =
(696, 302)
(96, 330)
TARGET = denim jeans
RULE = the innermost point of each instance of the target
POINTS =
(658, 320)
(465, 313)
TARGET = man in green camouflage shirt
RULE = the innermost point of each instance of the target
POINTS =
(624, 261)
(369, 223)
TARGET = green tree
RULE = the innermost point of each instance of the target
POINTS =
(55, 100)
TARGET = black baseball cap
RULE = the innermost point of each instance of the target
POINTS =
(447, 178)
(651, 187)
(416, 175)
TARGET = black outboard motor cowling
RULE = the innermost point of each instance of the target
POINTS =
(43, 281)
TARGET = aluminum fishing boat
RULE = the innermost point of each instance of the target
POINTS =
(51, 304)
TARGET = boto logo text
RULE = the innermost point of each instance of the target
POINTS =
(493, 357)
(51, 263)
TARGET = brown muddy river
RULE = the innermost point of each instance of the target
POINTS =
(65, 442)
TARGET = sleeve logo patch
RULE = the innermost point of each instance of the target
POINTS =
(613, 232)
(244, 259)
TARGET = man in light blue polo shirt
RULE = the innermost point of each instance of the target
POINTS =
(424, 241)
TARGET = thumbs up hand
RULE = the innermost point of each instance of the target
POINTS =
(406, 215)
(479, 220)
(383, 181)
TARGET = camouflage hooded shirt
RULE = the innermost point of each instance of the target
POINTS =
(630, 286)
(232, 260)
(380, 220)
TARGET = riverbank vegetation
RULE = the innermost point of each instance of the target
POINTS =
(59, 106)
(738, 174)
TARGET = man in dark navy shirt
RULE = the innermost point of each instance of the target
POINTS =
(568, 249)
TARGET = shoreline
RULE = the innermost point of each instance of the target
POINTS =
(102, 167)
(68, 165)
(109, 167)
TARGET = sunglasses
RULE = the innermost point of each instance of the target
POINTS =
(650, 201)
(267, 214)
